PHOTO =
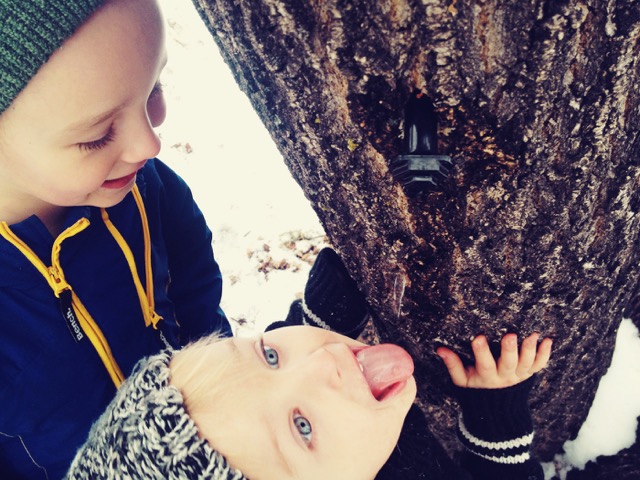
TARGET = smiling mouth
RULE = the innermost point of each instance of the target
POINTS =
(119, 182)
(386, 368)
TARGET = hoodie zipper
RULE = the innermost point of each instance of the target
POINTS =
(78, 319)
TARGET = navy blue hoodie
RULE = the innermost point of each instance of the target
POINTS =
(52, 385)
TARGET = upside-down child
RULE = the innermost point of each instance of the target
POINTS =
(295, 403)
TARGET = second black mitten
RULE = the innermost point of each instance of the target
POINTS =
(331, 299)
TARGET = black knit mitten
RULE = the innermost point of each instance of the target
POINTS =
(496, 430)
(331, 299)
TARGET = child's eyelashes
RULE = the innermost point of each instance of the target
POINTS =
(158, 89)
(270, 355)
(99, 143)
(303, 426)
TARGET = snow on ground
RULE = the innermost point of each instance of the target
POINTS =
(265, 230)
(612, 421)
(259, 216)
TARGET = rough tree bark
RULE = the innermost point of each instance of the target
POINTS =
(537, 227)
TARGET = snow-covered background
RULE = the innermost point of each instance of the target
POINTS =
(266, 234)
(264, 228)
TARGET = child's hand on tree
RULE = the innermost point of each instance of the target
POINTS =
(510, 369)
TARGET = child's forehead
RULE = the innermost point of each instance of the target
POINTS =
(30, 32)
(109, 62)
(305, 335)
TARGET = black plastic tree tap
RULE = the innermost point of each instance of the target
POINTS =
(419, 167)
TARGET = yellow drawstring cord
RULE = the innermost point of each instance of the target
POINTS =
(146, 298)
(55, 278)
(155, 318)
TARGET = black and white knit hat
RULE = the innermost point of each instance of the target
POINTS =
(146, 433)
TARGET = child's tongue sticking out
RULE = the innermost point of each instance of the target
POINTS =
(386, 368)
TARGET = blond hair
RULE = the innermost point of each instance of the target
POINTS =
(191, 374)
(206, 385)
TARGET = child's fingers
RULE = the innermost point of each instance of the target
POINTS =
(508, 361)
(543, 355)
(453, 363)
(485, 363)
(528, 351)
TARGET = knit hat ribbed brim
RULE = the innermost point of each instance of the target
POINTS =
(30, 31)
(146, 433)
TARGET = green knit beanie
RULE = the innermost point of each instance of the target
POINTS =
(30, 31)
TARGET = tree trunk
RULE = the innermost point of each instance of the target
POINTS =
(536, 228)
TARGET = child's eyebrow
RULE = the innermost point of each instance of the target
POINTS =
(91, 122)
(275, 444)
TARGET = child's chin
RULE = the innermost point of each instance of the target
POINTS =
(402, 393)
(105, 198)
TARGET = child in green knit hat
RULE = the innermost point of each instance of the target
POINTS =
(104, 256)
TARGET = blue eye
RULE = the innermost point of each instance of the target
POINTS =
(304, 427)
(270, 355)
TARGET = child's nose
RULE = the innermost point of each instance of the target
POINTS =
(321, 368)
(144, 143)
